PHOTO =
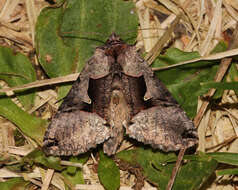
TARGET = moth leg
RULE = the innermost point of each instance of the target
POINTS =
(163, 127)
(72, 133)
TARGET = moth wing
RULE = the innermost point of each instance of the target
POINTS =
(133, 65)
(165, 128)
(72, 133)
(74, 129)
(163, 124)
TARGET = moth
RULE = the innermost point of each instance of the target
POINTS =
(117, 94)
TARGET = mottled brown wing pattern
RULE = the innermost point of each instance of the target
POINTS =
(118, 91)
(164, 128)
(76, 133)
(75, 129)
(163, 124)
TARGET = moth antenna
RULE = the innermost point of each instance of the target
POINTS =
(113, 38)
(141, 29)
(83, 35)
(158, 28)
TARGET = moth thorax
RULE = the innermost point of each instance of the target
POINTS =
(115, 68)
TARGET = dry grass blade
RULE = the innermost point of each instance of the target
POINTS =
(21, 151)
(231, 11)
(68, 163)
(31, 12)
(176, 168)
(230, 140)
(171, 6)
(8, 9)
(47, 179)
(217, 15)
(215, 56)
(225, 63)
(89, 187)
(203, 23)
(68, 78)
(151, 56)
(100, 187)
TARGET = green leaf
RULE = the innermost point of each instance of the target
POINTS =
(78, 159)
(233, 171)
(76, 178)
(146, 159)
(184, 81)
(193, 174)
(55, 57)
(219, 85)
(16, 69)
(220, 47)
(108, 172)
(38, 157)
(225, 157)
(156, 169)
(74, 174)
(61, 51)
(31, 126)
(13, 184)
(233, 74)
(4, 160)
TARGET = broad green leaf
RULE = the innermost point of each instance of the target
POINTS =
(66, 37)
(225, 157)
(31, 126)
(146, 158)
(199, 158)
(76, 178)
(82, 158)
(184, 81)
(232, 171)
(156, 169)
(108, 173)
(74, 174)
(38, 157)
(193, 174)
(16, 69)
(219, 85)
(55, 57)
(13, 184)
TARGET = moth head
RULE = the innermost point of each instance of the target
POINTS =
(113, 39)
